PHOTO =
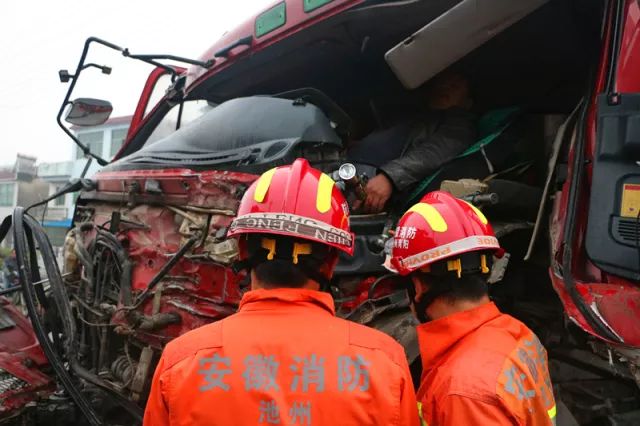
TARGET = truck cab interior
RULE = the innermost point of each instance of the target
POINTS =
(541, 67)
(526, 81)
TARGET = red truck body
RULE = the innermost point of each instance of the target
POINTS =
(147, 213)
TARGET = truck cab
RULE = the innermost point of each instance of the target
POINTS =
(555, 97)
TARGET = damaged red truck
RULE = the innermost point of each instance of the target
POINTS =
(557, 91)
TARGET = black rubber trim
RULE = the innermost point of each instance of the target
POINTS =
(569, 234)
(592, 319)
(62, 301)
(614, 49)
(27, 232)
(21, 247)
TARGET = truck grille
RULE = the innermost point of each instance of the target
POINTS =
(9, 382)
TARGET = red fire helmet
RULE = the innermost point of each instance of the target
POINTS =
(296, 201)
(440, 227)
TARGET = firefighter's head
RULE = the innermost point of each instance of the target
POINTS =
(290, 225)
(445, 245)
(449, 90)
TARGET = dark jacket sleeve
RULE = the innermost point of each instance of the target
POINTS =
(428, 151)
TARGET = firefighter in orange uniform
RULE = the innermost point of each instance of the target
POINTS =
(285, 358)
(480, 367)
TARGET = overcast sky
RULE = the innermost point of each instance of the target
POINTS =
(37, 38)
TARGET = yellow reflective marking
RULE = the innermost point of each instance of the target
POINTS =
(262, 187)
(423, 422)
(482, 217)
(552, 412)
(455, 265)
(269, 244)
(300, 249)
(325, 190)
(483, 265)
(431, 215)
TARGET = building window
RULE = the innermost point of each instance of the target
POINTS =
(93, 140)
(7, 194)
(117, 139)
(59, 202)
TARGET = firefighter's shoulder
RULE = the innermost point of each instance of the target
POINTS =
(370, 338)
(206, 337)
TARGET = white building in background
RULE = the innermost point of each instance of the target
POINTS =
(20, 186)
(104, 140)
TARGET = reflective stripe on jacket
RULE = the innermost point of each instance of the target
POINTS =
(482, 367)
(284, 358)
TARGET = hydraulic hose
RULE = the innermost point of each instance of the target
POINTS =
(27, 232)
(62, 300)
(24, 272)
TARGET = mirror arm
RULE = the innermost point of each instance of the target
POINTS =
(74, 79)
(85, 169)
(150, 61)
(204, 64)
(74, 185)
(103, 68)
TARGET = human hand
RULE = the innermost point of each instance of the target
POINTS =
(379, 190)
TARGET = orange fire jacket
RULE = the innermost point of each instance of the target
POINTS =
(482, 367)
(284, 358)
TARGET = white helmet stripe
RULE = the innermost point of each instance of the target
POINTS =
(449, 250)
(291, 224)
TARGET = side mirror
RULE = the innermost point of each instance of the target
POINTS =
(88, 112)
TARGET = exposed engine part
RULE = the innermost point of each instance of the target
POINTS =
(70, 264)
(210, 211)
(157, 299)
(370, 309)
(401, 325)
(9, 382)
(165, 269)
(633, 358)
(108, 308)
(216, 248)
(190, 222)
(225, 252)
(123, 369)
(53, 322)
(192, 310)
(152, 322)
(142, 373)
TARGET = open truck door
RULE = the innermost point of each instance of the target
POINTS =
(613, 232)
(596, 259)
